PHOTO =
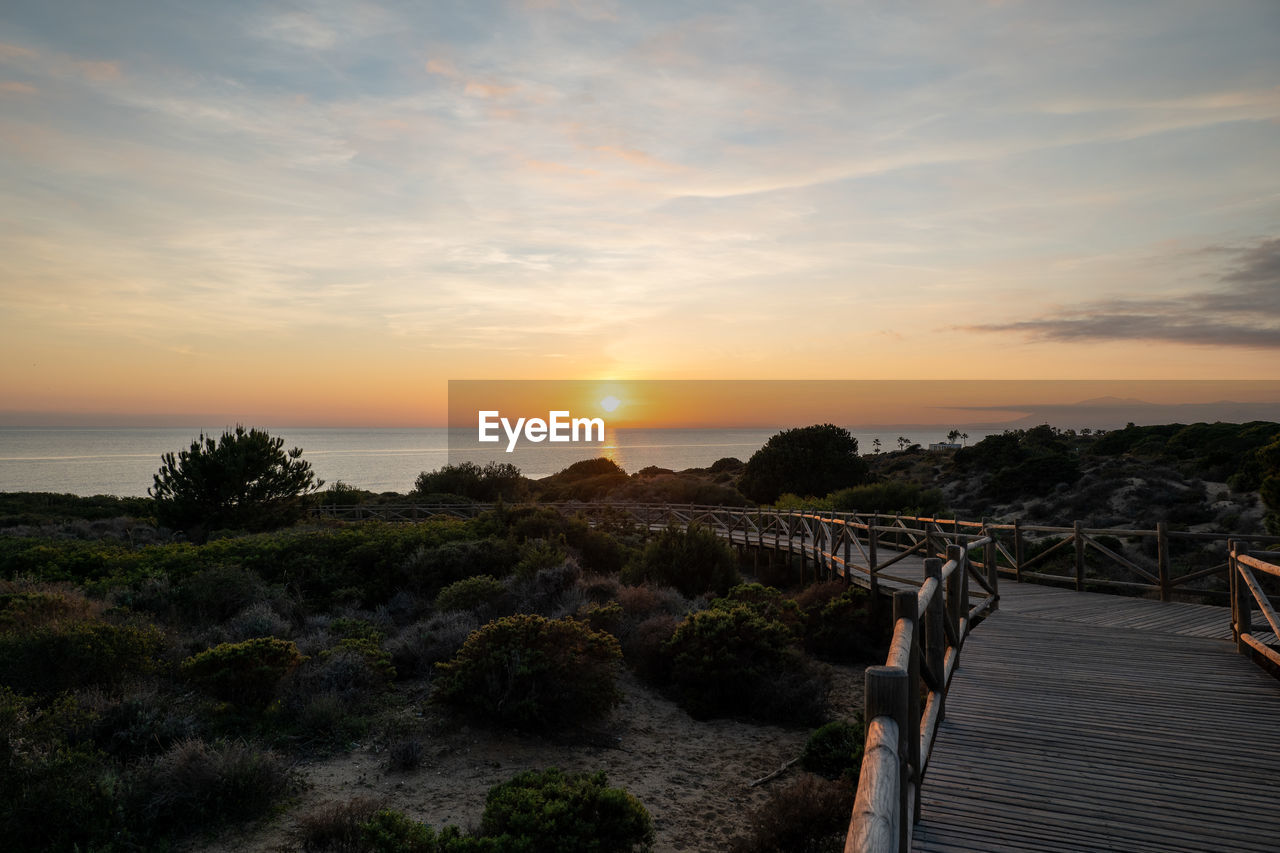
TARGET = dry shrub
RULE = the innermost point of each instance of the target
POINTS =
(422, 645)
(195, 785)
(637, 602)
(810, 815)
(600, 588)
(337, 826)
(816, 596)
(642, 647)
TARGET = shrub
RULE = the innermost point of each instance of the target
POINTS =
(243, 480)
(55, 794)
(810, 815)
(244, 673)
(478, 593)
(843, 630)
(388, 831)
(196, 785)
(834, 751)
(65, 655)
(733, 662)
(337, 827)
(530, 672)
(889, 496)
(418, 648)
(693, 560)
(538, 555)
(496, 480)
(644, 647)
(768, 602)
(602, 617)
(814, 460)
(566, 812)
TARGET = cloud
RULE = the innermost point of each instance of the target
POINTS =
(1244, 311)
(16, 88)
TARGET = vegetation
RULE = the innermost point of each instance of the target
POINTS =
(811, 460)
(530, 672)
(243, 673)
(692, 560)
(575, 813)
(244, 480)
(834, 750)
(494, 481)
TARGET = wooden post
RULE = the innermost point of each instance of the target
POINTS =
(804, 553)
(935, 634)
(1243, 600)
(955, 588)
(1078, 536)
(1162, 560)
(993, 573)
(1017, 550)
(905, 607)
(1232, 579)
(886, 696)
(848, 553)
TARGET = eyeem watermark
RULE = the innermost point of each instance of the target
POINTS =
(558, 427)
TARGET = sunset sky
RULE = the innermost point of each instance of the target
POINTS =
(320, 212)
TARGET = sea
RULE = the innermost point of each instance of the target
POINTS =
(122, 461)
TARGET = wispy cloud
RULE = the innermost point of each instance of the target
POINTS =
(1242, 311)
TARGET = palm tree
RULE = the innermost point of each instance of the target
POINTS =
(964, 436)
(875, 444)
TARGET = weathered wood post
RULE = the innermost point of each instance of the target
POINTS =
(1162, 560)
(1017, 550)
(957, 599)
(1243, 599)
(935, 632)
(1078, 537)
(905, 606)
(993, 573)
(885, 696)
(848, 551)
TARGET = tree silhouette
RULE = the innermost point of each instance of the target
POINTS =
(812, 460)
(243, 480)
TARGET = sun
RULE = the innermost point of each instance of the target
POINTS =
(610, 403)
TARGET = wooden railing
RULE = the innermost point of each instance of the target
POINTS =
(1246, 593)
(930, 627)
(865, 544)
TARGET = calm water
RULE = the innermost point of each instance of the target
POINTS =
(121, 461)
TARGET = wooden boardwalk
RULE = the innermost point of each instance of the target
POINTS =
(1076, 724)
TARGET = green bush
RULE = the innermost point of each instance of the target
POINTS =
(734, 663)
(768, 603)
(889, 496)
(494, 481)
(244, 673)
(530, 672)
(693, 560)
(842, 629)
(63, 655)
(565, 812)
(834, 750)
(55, 793)
(390, 831)
(477, 593)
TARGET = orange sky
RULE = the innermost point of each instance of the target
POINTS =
(319, 214)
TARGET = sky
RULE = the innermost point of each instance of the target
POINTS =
(319, 213)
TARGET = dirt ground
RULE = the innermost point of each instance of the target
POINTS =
(692, 776)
